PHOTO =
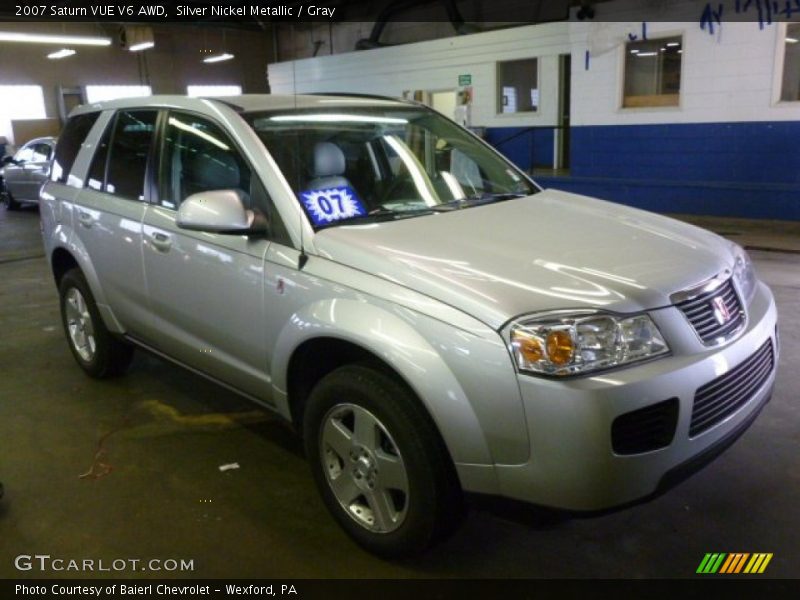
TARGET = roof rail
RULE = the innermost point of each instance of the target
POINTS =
(235, 107)
(357, 95)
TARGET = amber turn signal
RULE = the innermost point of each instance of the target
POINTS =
(528, 346)
(560, 347)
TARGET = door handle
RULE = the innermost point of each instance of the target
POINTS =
(85, 219)
(161, 241)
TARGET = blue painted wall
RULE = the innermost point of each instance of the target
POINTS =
(749, 169)
(526, 147)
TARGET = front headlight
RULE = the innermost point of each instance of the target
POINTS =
(743, 272)
(572, 344)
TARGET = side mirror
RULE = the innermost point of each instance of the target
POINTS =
(219, 211)
(6, 160)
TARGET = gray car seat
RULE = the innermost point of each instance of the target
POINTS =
(328, 167)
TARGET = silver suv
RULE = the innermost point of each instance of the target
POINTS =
(431, 321)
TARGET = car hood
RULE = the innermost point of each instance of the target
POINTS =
(552, 250)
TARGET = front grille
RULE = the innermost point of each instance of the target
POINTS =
(723, 396)
(646, 429)
(716, 315)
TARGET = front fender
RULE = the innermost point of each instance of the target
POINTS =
(465, 382)
(399, 345)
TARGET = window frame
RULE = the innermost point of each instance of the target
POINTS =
(151, 154)
(498, 88)
(623, 54)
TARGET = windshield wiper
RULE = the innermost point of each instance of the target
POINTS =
(486, 198)
(380, 214)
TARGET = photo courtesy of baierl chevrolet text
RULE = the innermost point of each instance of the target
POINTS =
(399, 299)
(161, 590)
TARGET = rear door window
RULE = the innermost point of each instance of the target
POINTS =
(129, 153)
(69, 144)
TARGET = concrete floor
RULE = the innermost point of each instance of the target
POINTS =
(150, 446)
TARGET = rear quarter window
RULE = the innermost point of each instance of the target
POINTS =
(69, 144)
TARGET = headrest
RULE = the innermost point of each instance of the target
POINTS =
(328, 160)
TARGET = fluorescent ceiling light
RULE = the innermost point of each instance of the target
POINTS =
(100, 93)
(198, 91)
(63, 53)
(44, 38)
(647, 54)
(673, 44)
(791, 40)
(336, 118)
(218, 58)
(142, 46)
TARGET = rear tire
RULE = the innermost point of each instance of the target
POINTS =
(95, 349)
(8, 199)
(379, 462)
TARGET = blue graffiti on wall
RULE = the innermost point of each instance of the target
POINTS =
(766, 12)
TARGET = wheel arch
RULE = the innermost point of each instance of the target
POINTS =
(333, 333)
(63, 258)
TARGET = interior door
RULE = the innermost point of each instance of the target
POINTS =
(206, 292)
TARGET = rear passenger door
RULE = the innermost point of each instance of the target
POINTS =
(206, 289)
(108, 213)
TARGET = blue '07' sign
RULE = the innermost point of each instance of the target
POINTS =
(332, 204)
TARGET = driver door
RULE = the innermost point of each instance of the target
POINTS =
(205, 290)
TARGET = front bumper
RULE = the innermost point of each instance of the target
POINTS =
(572, 462)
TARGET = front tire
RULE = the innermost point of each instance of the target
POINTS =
(379, 462)
(98, 353)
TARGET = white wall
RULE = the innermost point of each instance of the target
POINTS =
(733, 75)
(436, 65)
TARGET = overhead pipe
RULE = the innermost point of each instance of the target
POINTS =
(385, 16)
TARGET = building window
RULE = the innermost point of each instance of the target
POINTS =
(790, 90)
(200, 91)
(518, 86)
(19, 102)
(100, 93)
(653, 72)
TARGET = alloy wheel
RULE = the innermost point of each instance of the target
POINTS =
(364, 468)
(80, 325)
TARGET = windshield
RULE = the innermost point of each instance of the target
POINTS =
(351, 165)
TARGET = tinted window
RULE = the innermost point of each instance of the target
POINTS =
(200, 157)
(69, 143)
(129, 152)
